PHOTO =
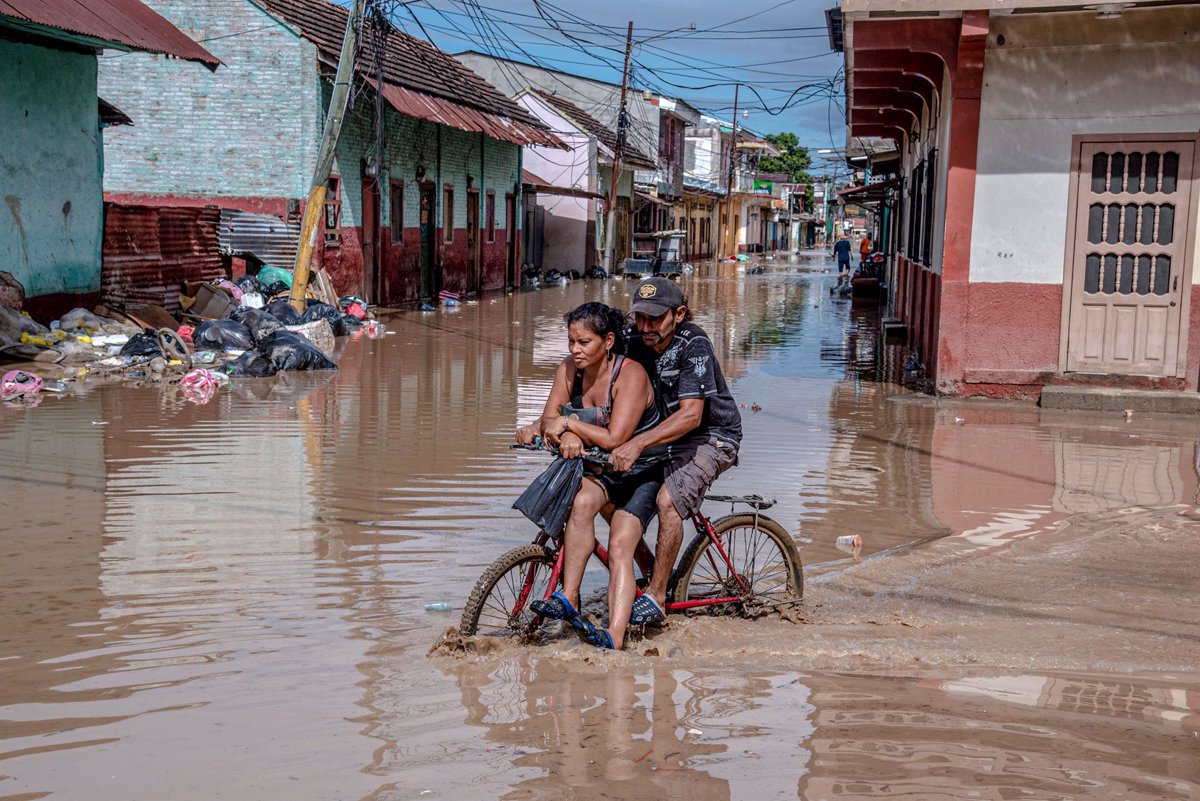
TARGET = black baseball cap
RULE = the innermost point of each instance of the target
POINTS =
(656, 296)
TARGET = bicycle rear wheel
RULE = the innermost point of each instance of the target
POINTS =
(499, 604)
(763, 557)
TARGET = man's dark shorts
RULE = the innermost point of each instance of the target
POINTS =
(634, 493)
(688, 479)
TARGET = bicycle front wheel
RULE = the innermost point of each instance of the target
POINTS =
(499, 604)
(763, 567)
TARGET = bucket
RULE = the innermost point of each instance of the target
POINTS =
(317, 332)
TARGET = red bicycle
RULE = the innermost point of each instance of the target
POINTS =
(742, 563)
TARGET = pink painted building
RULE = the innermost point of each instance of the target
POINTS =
(1043, 220)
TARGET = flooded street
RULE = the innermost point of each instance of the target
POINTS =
(226, 601)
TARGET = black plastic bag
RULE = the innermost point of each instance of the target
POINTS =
(143, 344)
(274, 288)
(287, 350)
(260, 324)
(344, 324)
(250, 364)
(248, 283)
(221, 334)
(282, 311)
(547, 500)
(317, 310)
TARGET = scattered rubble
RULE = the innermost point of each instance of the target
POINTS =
(226, 329)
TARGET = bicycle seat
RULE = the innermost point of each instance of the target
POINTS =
(753, 501)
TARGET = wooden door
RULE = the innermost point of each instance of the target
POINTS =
(428, 287)
(510, 242)
(371, 209)
(1128, 254)
(474, 274)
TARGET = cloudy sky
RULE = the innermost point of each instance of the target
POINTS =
(777, 49)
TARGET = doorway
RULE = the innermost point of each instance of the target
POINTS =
(474, 276)
(510, 244)
(428, 279)
(1127, 278)
(371, 210)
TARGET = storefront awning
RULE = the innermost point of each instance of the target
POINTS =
(647, 198)
(540, 186)
(870, 193)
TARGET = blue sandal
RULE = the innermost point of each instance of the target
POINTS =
(592, 635)
(646, 611)
(556, 607)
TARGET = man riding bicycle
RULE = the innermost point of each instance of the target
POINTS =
(701, 425)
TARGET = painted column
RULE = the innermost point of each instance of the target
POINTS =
(951, 299)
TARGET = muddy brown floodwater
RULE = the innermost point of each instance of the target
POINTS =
(226, 601)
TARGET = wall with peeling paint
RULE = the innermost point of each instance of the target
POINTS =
(248, 130)
(50, 169)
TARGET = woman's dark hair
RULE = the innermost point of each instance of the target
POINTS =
(602, 320)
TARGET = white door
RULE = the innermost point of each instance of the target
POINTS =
(1127, 276)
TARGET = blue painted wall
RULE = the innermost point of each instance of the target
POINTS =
(51, 220)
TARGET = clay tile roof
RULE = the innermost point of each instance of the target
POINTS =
(408, 62)
(121, 23)
(593, 127)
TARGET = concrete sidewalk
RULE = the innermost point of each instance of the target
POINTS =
(1103, 399)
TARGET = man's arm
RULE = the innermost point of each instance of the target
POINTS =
(685, 420)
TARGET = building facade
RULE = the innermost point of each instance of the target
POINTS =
(1044, 236)
(427, 178)
(51, 145)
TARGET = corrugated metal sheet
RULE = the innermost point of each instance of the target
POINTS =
(434, 109)
(149, 251)
(123, 22)
(407, 60)
(268, 238)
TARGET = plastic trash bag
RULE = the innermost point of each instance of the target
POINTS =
(142, 345)
(248, 283)
(270, 274)
(220, 334)
(282, 311)
(250, 364)
(287, 350)
(317, 310)
(275, 288)
(547, 500)
(259, 322)
(345, 324)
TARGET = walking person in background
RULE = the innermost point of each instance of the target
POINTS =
(841, 251)
(864, 250)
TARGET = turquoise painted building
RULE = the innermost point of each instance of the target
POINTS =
(51, 142)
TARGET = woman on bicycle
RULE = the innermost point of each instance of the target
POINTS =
(602, 399)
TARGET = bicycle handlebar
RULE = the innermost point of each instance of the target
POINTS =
(593, 454)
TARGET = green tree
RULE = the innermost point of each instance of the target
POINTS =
(793, 159)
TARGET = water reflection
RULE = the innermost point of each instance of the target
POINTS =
(230, 596)
(640, 732)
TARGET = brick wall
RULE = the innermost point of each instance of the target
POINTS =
(248, 130)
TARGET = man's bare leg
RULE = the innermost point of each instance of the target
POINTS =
(670, 536)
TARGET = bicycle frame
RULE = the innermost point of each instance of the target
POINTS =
(702, 525)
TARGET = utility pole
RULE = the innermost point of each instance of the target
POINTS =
(730, 238)
(610, 228)
(320, 181)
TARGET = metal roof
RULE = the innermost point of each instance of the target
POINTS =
(118, 23)
(435, 109)
(593, 127)
(408, 62)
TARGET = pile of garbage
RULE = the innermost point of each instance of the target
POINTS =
(242, 328)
